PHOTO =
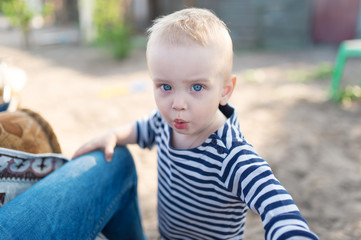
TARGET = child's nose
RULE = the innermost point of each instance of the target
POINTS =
(179, 102)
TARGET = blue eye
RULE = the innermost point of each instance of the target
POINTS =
(197, 87)
(166, 87)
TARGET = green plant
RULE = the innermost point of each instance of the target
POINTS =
(299, 75)
(348, 94)
(113, 31)
(322, 71)
(20, 15)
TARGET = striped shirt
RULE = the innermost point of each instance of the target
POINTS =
(205, 192)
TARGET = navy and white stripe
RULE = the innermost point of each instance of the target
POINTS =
(205, 192)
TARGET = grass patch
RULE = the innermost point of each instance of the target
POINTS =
(348, 94)
(323, 71)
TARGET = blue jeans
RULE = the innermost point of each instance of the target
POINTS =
(85, 196)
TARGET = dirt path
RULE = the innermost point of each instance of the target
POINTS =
(313, 145)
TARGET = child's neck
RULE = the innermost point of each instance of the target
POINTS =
(183, 141)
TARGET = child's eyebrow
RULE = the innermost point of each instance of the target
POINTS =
(160, 80)
(196, 80)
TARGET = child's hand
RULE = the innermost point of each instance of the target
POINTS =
(105, 142)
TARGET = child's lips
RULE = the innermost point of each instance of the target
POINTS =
(180, 124)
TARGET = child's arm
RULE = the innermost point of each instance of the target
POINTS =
(107, 141)
(264, 194)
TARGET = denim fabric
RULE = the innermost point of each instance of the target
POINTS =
(77, 201)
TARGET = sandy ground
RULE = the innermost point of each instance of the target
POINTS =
(312, 144)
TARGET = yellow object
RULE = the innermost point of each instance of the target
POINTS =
(114, 91)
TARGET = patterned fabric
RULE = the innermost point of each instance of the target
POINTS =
(205, 192)
(27, 142)
(20, 170)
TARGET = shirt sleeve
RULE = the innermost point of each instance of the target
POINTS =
(253, 181)
(146, 129)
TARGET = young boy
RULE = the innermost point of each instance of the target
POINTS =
(208, 175)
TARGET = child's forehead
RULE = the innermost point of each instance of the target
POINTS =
(212, 60)
(190, 48)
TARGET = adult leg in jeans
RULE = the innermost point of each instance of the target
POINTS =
(78, 201)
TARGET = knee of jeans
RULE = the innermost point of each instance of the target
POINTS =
(121, 167)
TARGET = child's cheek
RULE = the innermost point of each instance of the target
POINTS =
(198, 95)
(161, 93)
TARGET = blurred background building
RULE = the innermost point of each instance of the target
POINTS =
(277, 23)
(253, 23)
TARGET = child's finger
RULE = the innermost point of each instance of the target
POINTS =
(108, 152)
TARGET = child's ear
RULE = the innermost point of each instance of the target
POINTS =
(228, 89)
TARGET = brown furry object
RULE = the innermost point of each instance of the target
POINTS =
(25, 130)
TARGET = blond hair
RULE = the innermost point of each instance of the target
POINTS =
(193, 25)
